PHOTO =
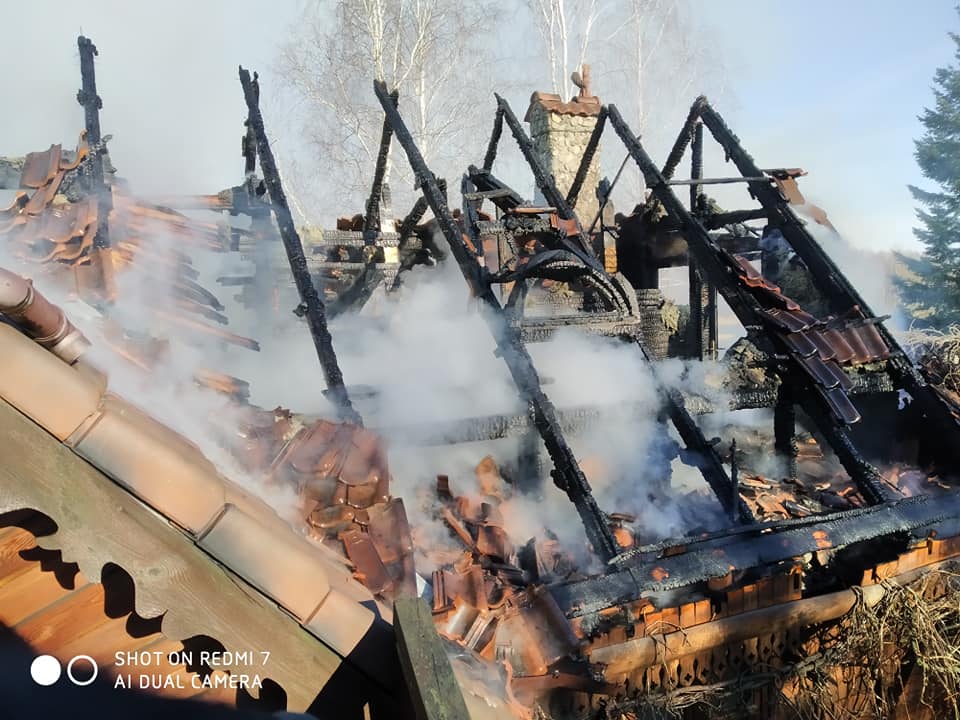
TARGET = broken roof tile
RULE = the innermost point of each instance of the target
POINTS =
(40, 167)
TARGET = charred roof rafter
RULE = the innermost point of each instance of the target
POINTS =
(312, 304)
(372, 222)
(718, 265)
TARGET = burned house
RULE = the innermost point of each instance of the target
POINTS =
(774, 611)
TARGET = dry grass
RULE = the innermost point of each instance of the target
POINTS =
(939, 352)
(857, 668)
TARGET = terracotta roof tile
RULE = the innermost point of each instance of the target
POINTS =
(582, 106)
(43, 387)
(40, 167)
(157, 464)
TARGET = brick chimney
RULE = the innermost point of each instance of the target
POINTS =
(560, 132)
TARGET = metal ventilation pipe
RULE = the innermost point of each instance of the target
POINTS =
(43, 321)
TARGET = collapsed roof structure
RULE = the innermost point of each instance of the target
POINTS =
(746, 618)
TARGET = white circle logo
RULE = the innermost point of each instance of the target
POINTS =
(93, 665)
(45, 670)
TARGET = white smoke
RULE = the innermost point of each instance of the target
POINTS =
(869, 271)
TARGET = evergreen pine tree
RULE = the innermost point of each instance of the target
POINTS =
(930, 289)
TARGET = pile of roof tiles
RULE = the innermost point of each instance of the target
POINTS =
(489, 596)
(341, 476)
(54, 221)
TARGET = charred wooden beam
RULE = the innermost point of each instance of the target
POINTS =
(413, 218)
(567, 474)
(707, 254)
(867, 478)
(494, 189)
(372, 221)
(734, 476)
(735, 217)
(785, 428)
(248, 149)
(91, 102)
(588, 152)
(358, 293)
(696, 168)
(682, 142)
(491, 155)
(681, 562)
(710, 464)
(719, 181)
(608, 191)
(312, 304)
(698, 294)
(471, 218)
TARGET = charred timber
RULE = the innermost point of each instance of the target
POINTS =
(409, 224)
(707, 254)
(588, 152)
(248, 148)
(710, 464)
(736, 217)
(785, 428)
(358, 293)
(567, 474)
(372, 221)
(314, 310)
(491, 155)
(91, 102)
(698, 303)
(493, 189)
(682, 142)
(680, 563)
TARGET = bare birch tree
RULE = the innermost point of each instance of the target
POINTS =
(426, 49)
(566, 27)
(648, 57)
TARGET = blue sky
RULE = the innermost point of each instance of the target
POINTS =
(833, 87)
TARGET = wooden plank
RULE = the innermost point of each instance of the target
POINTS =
(14, 540)
(71, 617)
(426, 667)
(28, 593)
(105, 640)
(99, 522)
